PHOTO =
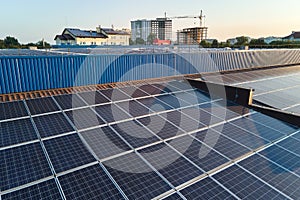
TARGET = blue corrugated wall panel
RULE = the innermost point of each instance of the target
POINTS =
(28, 73)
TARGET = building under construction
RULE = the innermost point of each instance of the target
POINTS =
(191, 36)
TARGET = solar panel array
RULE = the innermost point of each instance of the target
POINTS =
(164, 140)
(277, 88)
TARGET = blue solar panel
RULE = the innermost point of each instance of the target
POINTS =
(14, 132)
(275, 175)
(155, 105)
(258, 129)
(114, 94)
(111, 143)
(69, 101)
(111, 113)
(22, 165)
(93, 98)
(133, 92)
(175, 168)
(41, 105)
(174, 196)
(160, 127)
(218, 110)
(47, 190)
(134, 108)
(13, 109)
(204, 118)
(89, 183)
(237, 134)
(54, 124)
(135, 134)
(84, 118)
(283, 157)
(206, 189)
(246, 186)
(273, 123)
(206, 158)
(136, 179)
(173, 101)
(151, 89)
(225, 146)
(67, 152)
(184, 122)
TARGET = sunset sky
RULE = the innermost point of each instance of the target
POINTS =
(32, 20)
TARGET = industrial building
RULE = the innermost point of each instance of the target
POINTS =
(190, 125)
(102, 36)
(161, 28)
(192, 36)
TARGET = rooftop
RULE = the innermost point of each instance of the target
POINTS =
(156, 139)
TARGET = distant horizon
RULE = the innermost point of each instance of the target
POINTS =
(31, 21)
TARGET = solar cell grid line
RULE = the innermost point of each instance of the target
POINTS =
(244, 185)
(111, 143)
(111, 113)
(172, 101)
(94, 98)
(41, 105)
(89, 183)
(202, 155)
(160, 126)
(175, 196)
(172, 165)
(283, 157)
(23, 164)
(53, 124)
(67, 152)
(296, 135)
(222, 144)
(134, 108)
(46, 190)
(183, 121)
(84, 118)
(133, 92)
(274, 174)
(273, 123)
(136, 179)
(14, 109)
(205, 118)
(154, 104)
(241, 136)
(135, 134)
(15, 132)
(219, 111)
(114, 94)
(150, 89)
(69, 101)
(257, 129)
(206, 189)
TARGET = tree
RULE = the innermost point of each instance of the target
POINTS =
(131, 42)
(139, 41)
(11, 42)
(257, 42)
(151, 37)
(242, 40)
(205, 44)
(215, 44)
(43, 45)
(2, 46)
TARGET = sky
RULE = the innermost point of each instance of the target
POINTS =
(32, 20)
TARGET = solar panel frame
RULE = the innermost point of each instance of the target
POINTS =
(69, 101)
(26, 164)
(46, 190)
(42, 105)
(14, 109)
(145, 184)
(15, 132)
(67, 152)
(89, 183)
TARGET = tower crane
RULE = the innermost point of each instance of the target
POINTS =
(200, 17)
